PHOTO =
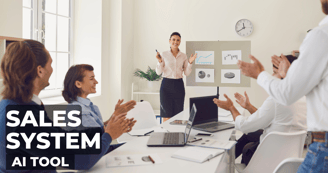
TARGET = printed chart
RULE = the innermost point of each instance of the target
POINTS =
(231, 57)
(205, 58)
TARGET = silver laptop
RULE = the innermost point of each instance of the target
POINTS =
(167, 139)
(207, 118)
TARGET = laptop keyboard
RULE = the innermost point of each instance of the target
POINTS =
(171, 138)
(211, 125)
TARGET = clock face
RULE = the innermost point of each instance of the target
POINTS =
(244, 27)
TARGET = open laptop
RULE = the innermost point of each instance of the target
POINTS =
(168, 139)
(207, 117)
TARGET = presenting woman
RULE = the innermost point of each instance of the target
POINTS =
(173, 63)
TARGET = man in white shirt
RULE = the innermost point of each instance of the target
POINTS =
(271, 116)
(306, 76)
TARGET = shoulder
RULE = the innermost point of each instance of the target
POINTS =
(166, 53)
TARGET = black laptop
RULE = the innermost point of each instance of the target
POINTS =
(207, 117)
(168, 139)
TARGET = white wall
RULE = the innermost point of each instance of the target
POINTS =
(127, 60)
(11, 19)
(87, 33)
(279, 27)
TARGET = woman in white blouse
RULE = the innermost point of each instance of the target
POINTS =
(173, 63)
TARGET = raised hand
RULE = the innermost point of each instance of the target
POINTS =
(119, 102)
(283, 66)
(159, 58)
(117, 126)
(227, 105)
(251, 69)
(275, 60)
(124, 108)
(242, 101)
(192, 58)
(131, 123)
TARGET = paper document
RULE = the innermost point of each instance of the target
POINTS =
(132, 160)
(141, 132)
(211, 143)
(197, 154)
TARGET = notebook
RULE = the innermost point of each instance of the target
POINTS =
(211, 143)
(197, 154)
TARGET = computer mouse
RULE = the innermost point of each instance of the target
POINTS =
(229, 75)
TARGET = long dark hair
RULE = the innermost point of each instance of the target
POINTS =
(74, 73)
(19, 69)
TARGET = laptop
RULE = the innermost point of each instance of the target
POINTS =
(168, 139)
(207, 118)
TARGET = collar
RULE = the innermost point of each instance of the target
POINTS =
(84, 101)
(36, 99)
(324, 21)
(177, 54)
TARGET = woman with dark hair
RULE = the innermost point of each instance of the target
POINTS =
(173, 63)
(26, 69)
(79, 82)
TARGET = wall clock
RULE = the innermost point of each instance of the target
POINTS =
(244, 27)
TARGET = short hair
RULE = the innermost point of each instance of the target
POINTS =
(175, 33)
(19, 69)
(290, 58)
(74, 73)
(324, 5)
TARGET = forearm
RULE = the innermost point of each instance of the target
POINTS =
(187, 69)
(234, 112)
(159, 68)
(251, 109)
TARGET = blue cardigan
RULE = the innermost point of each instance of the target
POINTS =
(82, 162)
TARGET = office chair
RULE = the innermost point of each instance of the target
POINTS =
(289, 165)
(145, 116)
(274, 148)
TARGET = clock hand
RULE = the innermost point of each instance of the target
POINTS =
(240, 29)
(243, 25)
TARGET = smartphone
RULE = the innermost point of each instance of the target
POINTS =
(204, 134)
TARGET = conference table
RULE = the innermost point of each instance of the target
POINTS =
(138, 145)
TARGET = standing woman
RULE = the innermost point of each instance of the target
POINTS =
(173, 63)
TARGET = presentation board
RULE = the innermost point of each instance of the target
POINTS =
(216, 63)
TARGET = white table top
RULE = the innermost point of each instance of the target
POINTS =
(137, 145)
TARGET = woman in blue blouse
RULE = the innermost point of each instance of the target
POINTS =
(79, 82)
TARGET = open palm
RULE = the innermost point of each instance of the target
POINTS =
(242, 101)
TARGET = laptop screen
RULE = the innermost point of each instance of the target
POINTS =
(190, 122)
(207, 111)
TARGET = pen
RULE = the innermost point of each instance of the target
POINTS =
(196, 140)
(148, 132)
(151, 159)
(159, 54)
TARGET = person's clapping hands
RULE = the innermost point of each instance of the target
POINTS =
(251, 69)
(117, 125)
(227, 105)
(131, 123)
(243, 101)
(282, 63)
(124, 108)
